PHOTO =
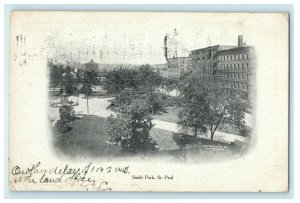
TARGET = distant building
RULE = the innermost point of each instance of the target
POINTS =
(92, 66)
(177, 66)
(161, 69)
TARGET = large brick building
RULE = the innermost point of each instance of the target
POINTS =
(204, 61)
(236, 70)
(232, 66)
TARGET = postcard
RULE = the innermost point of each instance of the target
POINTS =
(148, 101)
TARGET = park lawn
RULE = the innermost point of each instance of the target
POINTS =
(88, 137)
(164, 139)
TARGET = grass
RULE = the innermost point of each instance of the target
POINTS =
(164, 139)
(171, 115)
(87, 137)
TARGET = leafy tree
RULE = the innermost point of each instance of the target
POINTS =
(147, 79)
(142, 78)
(205, 105)
(119, 79)
(193, 107)
(170, 84)
(224, 107)
(155, 100)
(88, 78)
(56, 75)
(69, 81)
(131, 128)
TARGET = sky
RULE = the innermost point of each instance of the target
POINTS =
(137, 38)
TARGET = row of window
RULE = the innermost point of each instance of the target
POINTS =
(172, 66)
(183, 61)
(176, 66)
(233, 57)
(237, 85)
(174, 72)
(234, 66)
(173, 76)
(238, 76)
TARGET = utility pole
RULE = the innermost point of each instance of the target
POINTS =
(87, 104)
(86, 94)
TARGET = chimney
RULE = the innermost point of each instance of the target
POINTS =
(240, 40)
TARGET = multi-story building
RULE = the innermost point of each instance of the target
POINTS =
(177, 66)
(236, 70)
(204, 60)
(232, 66)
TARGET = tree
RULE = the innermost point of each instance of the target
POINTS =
(142, 78)
(192, 106)
(224, 107)
(155, 100)
(147, 79)
(66, 115)
(55, 75)
(205, 105)
(69, 81)
(119, 79)
(131, 128)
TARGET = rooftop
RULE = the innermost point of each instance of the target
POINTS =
(241, 50)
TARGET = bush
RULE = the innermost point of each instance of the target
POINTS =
(66, 113)
(131, 128)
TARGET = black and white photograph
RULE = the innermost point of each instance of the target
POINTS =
(193, 104)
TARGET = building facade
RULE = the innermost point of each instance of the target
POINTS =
(236, 70)
(177, 66)
(204, 61)
(161, 69)
(232, 66)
